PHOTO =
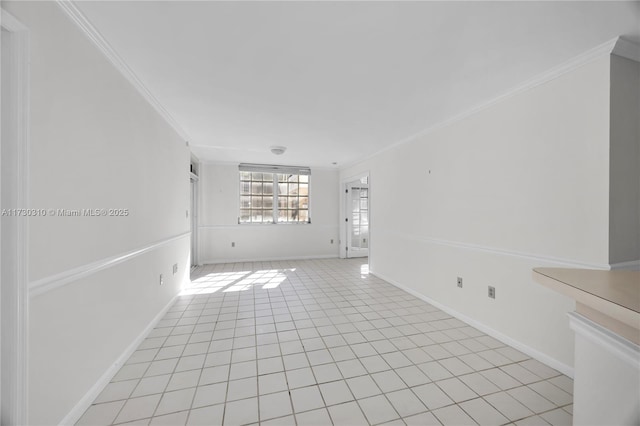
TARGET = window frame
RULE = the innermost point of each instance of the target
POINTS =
(275, 172)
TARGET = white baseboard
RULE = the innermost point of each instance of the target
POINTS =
(533, 353)
(633, 265)
(76, 412)
(268, 259)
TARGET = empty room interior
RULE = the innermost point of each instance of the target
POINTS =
(317, 213)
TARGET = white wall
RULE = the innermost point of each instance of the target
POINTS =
(219, 203)
(624, 185)
(95, 143)
(515, 186)
(606, 389)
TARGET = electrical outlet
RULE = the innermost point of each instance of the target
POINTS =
(492, 292)
(233, 244)
(460, 282)
(175, 268)
(161, 280)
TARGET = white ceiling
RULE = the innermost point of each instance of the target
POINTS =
(338, 81)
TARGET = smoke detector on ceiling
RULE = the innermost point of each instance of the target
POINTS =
(278, 150)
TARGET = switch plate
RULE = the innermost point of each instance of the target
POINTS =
(460, 282)
(492, 292)
(161, 280)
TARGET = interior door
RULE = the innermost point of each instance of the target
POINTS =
(357, 220)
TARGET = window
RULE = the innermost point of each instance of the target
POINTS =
(274, 194)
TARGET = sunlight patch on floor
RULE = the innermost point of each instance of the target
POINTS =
(364, 270)
(236, 281)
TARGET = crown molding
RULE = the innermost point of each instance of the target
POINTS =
(617, 46)
(10, 23)
(99, 41)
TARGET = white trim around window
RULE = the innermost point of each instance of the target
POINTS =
(271, 194)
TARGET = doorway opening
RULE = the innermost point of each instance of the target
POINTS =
(357, 214)
(193, 211)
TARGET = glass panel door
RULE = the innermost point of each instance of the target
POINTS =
(358, 219)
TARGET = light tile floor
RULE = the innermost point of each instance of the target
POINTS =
(322, 342)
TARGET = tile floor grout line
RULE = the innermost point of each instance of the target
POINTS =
(341, 309)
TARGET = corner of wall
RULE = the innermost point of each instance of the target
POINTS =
(624, 159)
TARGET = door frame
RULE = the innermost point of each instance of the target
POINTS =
(193, 208)
(15, 303)
(194, 200)
(344, 211)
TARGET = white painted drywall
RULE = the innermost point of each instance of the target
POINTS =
(606, 389)
(95, 143)
(79, 330)
(624, 209)
(527, 175)
(219, 203)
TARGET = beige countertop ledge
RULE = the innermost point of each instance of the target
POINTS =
(609, 298)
